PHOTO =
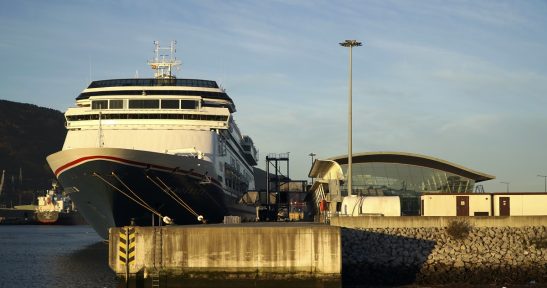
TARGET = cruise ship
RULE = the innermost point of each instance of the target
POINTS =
(155, 151)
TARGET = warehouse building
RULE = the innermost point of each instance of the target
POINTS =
(484, 204)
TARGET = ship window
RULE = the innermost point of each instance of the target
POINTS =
(170, 104)
(144, 104)
(116, 104)
(99, 104)
(153, 82)
(205, 94)
(189, 104)
(149, 116)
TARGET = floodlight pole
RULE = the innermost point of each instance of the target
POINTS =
(506, 184)
(312, 155)
(350, 44)
(544, 177)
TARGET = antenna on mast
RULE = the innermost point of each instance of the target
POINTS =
(89, 60)
(164, 63)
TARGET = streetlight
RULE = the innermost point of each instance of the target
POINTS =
(350, 44)
(545, 177)
(312, 155)
(507, 184)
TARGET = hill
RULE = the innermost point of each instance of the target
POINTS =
(28, 133)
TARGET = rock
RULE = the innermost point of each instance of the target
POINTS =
(488, 254)
(459, 263)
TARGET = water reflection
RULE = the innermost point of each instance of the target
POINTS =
(232, 283)
(53, 256)
(88, 266)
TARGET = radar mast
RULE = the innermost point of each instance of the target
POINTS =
(164, 61)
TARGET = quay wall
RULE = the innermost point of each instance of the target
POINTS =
(254, 251)
(17, 216)
(435, 221)
(429, 251)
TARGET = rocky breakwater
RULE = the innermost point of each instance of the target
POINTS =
(460, 254)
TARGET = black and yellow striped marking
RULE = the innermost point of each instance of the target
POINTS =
(127, 245)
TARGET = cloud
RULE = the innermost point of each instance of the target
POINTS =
(498, 13)
(430, 74)
(469, 124)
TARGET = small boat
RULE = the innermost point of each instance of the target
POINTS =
(54, 208)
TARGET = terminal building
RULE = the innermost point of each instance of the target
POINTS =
(406, 184)
(406, 175)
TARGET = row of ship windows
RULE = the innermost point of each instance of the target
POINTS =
(148, 116)
(233, 178)
(145, 104)
(204, 94)
(153, 82)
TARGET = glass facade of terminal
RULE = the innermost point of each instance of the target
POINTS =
(403, 180)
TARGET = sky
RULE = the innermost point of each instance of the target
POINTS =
(464, 81)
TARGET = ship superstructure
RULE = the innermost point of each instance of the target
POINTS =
(138, 149)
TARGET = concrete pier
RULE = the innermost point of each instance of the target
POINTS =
(435, 221)
(238, 251)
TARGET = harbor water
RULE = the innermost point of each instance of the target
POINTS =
(53, 256)
(75, 256)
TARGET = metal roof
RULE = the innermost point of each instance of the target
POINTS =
(414, 159)
(322, 166)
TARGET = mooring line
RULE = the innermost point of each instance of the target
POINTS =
(128, 196)
(127, 187)
(167, 190)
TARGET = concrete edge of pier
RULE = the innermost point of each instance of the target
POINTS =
(435, 221)
(241, 251)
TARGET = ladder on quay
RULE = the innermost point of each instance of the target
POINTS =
(158, 244)
(155, 278)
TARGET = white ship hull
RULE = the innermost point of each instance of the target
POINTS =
(97, 179)
(141, 149)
